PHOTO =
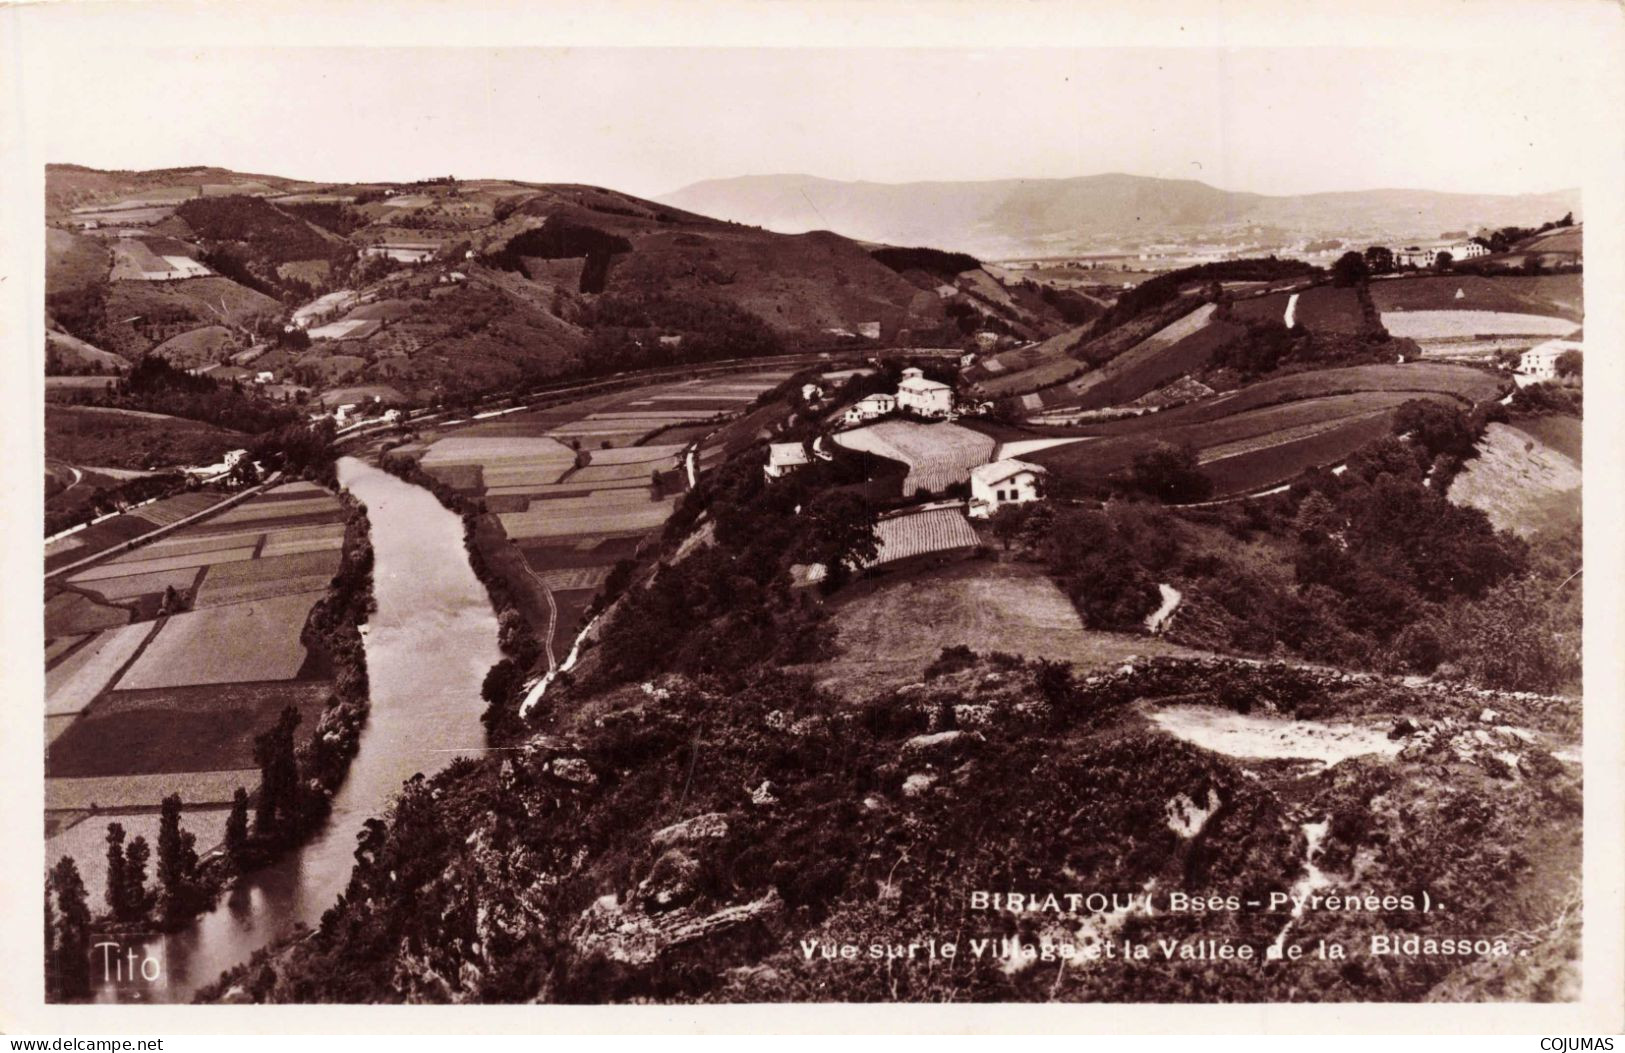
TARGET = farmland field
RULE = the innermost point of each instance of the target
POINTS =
(1435, 325)
(132, 585)
(889, 629)
(70, 612)
(1268, 433)
(937, 455)
(86, 840)
(146, 790)
(1321, 309)
(1558, 295)
(178, 729)
(84, 435)
(922, 533)
(79, 678)
(1183, 347)
(1523, 484)
(173, 705)
(257, 640)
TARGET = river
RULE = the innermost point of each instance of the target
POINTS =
(428, 645)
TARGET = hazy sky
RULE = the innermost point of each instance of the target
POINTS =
(650, 121)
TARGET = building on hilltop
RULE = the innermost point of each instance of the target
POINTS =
(927, 398)
(784, 458)
(1540, 361)
(1006, 482)
(1426, 256)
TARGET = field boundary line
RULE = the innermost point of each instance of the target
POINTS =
(135, 542)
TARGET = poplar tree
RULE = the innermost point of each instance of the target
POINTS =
(117, 893)
(237, 826)
(177, 862)
(137, 898)
(72, 929)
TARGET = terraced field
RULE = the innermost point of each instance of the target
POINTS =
(937, 455)
(1267, 434)
(573, 488)
(1173, 351)
(938, 531)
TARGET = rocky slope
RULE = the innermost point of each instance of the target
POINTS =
(678, 843)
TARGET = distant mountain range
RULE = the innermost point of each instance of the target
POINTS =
(1019, 217)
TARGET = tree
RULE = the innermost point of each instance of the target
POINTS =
(1350, 269)
(177, 862)
(237, 826)
(1379, 259)
(279, 775)
(117, 891)
(1008, 522)
(1170, 474)
(1435, 427)
(138, 900)
(72, 929)
(841, 532)
(1444, 262)
(1317, 518)
(1568, 364)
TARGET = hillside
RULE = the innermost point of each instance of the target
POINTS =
(447, 288)
(740, 780)
(1020, 217)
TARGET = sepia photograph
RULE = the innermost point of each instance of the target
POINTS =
(1094, 521)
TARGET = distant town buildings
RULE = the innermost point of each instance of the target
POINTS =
(927, 398)
(1006, 482)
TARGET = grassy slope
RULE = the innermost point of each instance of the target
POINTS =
(80, 435)
(1523, 484)
(1559, 295)
(1357, 397)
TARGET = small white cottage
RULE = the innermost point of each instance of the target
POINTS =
(784, 458)
(870, 407)
(1006, 482)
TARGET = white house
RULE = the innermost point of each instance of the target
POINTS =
(784, 458)
(210, 472)
(1425, 256)
(1540, 361)
(928, 398)
(870, 407)
(1006, 482)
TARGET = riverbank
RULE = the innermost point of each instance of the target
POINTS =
(429, 643)
(164, 711)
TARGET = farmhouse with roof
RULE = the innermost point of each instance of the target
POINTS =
(927, 398)
(870, 407)
(1006, 482)
(1540, 361)
(784, 458)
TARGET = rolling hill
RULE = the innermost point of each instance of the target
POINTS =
(443, 286)
(1022, 217)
